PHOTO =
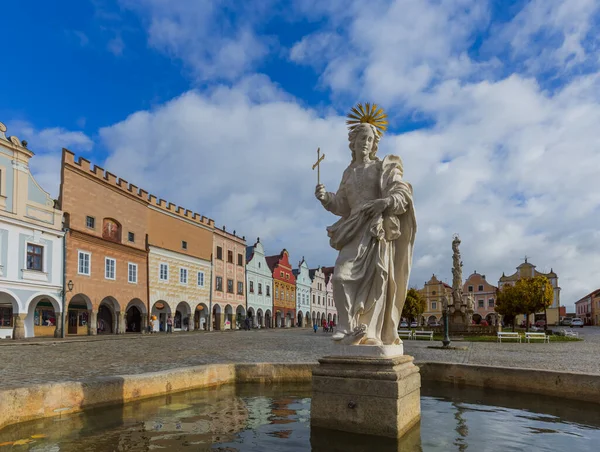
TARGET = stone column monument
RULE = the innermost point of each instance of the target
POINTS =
(458, 315)
(369, 386)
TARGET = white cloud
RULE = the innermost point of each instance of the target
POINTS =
(214, 43)
(47, 145)
(116, 46)
(389, 50)
(555, 35)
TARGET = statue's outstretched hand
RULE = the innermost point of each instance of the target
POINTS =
(320, 193)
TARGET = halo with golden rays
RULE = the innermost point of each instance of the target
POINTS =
(371, 114)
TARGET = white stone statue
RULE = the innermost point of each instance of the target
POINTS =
(374, 236)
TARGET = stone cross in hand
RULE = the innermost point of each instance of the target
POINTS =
(317, 165)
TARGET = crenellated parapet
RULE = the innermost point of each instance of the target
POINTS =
(108, 178)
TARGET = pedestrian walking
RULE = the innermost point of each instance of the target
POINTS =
(169, 324)
(315, 327)
(247, 324)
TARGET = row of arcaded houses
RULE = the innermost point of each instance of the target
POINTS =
(108, 257)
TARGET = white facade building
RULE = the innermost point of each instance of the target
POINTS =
(318, 296)
(303, 284)
(31, 248)
(259, 286)
(330, 309)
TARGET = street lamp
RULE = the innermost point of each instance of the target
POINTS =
(69, 286)
(446, 340)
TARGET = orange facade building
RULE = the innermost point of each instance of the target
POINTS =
(119, 235)
(284, 289)
(106, 248)
(229, 280)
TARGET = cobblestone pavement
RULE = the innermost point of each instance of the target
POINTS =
(40, 361)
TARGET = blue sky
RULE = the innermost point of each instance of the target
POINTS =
(493, 107)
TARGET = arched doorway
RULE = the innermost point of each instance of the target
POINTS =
(216, 316)
(476, 319)
(160, 311)
(136, 318)
(300, 319)
(307, 320)
(319, 322)
(278, 320)
(240, 317)
(491, 319)
(107, 316)
(268, 323)
(335, 319)
(431, 320)
(228, 317)
(289, 320)
(181, 321)
(78, 315)
(43, 317)
(11, 325)
(201, 317)
(251, 318)
(314, 317)
(328, 318)
(260, 319)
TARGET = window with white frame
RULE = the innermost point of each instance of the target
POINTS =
(163, 272)
(84, 263)
(201, 279)
(110, 266)
(183, 275)
(35, 257)
(132, 273)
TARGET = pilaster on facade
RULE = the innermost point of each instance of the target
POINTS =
(303, 286)
(284, 286)
(31, 248)
(229, 280)
(259, 287)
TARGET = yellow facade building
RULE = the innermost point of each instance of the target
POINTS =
(433, 291)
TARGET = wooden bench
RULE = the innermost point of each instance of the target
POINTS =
(507, 335)
(408, 334)
(428, 334)
(542, 336)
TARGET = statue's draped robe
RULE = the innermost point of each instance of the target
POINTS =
(372, 270)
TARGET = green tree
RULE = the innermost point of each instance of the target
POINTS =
(509, 302)
(414, 305)
(537, 294)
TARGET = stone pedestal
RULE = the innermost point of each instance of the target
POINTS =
(377, 396)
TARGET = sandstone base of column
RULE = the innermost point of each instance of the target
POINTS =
(365, 395)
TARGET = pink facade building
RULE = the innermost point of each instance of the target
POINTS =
(484, 298)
